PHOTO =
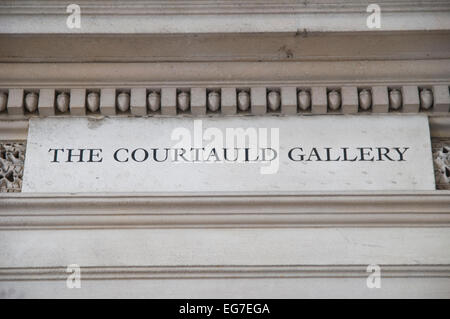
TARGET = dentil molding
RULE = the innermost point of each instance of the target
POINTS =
(22, 211)
(20, 103)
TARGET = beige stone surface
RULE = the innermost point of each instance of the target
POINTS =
(77, 102)
(293, 288)
(198, 101)
(288, 100)
(189, 247)
(441, 99)
(224, 17)
(108, 101)
(258, 100)
(168, 101)
(46, 104)
(228, 105)
(349, 100)
(138, 102)
(301, 158)
(411, 103)
(15, 102)
(380, 101)
(319, 100)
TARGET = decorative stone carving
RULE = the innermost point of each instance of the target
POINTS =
(334, 100)
(243, 101)
(441, 157)
(154, 101)
(93, 102)
(426, 99)
(3, 100)
(12, 156)
(123, 101)
(395, 99)
(213, 101)
(304, 100)
(273, 100)
(183, 101)
(31, 102)
(62, 102)
(365, 99)
(368, 98)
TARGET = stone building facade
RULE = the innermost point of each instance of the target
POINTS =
(225, 60)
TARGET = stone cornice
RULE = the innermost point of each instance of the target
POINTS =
(360, 72)
(162, 17)
(302, 46)
(253, 210)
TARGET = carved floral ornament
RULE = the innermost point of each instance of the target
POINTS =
(12, 156)
(441, 157)
(238, 100)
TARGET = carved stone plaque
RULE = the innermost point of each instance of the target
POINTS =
(229, 154)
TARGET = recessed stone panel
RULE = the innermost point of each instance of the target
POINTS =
(276, 154)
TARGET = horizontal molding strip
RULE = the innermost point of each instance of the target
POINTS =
(297, 46)
(13, 130)
(18, 130)
(125, 75)
(78, 211)
(225, 272)
(206, 17)
(216, 7)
